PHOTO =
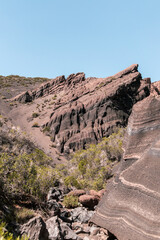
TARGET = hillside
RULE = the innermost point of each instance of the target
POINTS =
(63, 115)
(67, 133)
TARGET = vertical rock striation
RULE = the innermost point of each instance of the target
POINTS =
(130, 208)
(95, 107)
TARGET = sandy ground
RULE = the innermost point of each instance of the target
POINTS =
(21, 116)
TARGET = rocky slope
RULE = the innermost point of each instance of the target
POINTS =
(67, 114)
(130, 209)
(62, 223)
(85, 110)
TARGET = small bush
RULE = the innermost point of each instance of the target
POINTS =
(5, 235)
(46, 129)
(27, 174)
(3, 97)
(35, 115)
(92, 167)
(70, 181)
(35, 124)
(24, 214)
(54, 98)
(12, 104)
(70, 201)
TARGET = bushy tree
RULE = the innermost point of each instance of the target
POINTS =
(26, 174)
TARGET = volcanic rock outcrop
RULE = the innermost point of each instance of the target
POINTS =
(155, 88)
(130, 208)
(87, 109)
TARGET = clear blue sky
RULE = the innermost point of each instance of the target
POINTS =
(48, 38)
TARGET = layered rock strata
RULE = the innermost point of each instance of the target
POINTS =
(130, 208)
(87, 109)
(155, 88)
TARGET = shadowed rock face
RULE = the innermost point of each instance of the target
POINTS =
(86, 110)
(130, 208)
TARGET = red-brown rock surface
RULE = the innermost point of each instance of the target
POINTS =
(85, 110)
(130, 208)
(155, 88)
(89, 201)
(77, 192)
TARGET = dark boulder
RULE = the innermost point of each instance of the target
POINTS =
(54, 207)
(81, 214)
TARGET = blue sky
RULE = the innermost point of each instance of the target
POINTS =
(48, 38)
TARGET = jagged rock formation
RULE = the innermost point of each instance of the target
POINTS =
(53, 86)
(155, 88)
(85, 110)
(130, 208)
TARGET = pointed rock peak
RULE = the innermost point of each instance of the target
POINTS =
(133, 68)
(76, 78)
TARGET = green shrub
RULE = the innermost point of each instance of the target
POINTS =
(35, 115)
(92, 167)
(88, 169)
(1, 123)
(27, 174)
(46, 129)
(40, 158)
(55, 96)
(35, 124)
(70, 181)
(70, 201)
(24, 214)
(5, 235)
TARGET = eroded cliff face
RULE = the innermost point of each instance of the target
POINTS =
(130, 208)
(87, 109)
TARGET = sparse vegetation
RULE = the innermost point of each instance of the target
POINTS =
(6, 235)
(19, 83)
(70, 201)
(35, 124)
(3, 97)
(23, 214)
(54, 98)
(30, 176)
(92, 167)
(51, 103)
(11, 80)
(46, 129)
(35, 115)
(12, 104)
(27, 174)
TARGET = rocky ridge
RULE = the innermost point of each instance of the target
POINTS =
(86, 109)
